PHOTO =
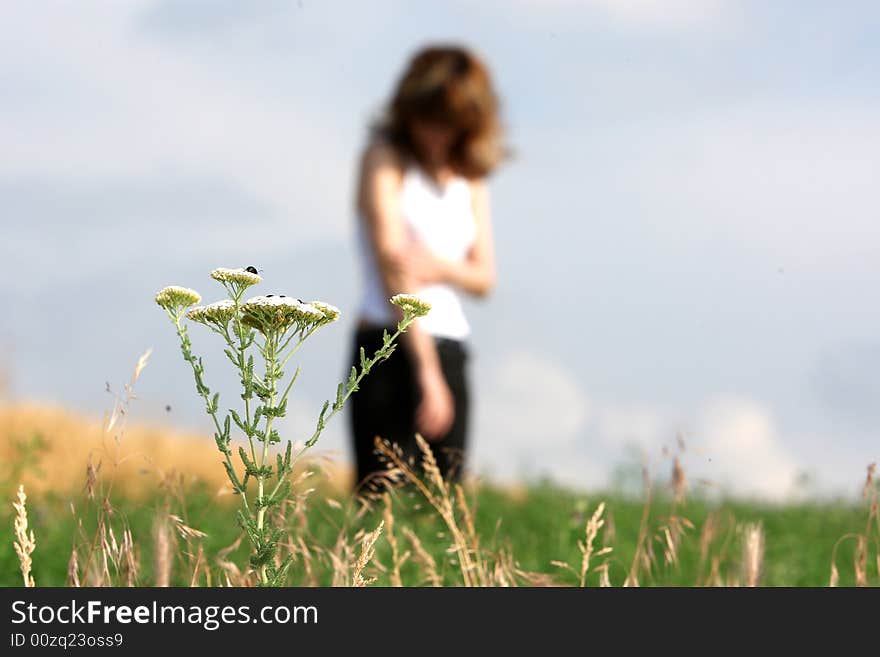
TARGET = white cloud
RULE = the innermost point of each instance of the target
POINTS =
(620, 425)
(536, 401)
(535, 417)
(529, 412)
(730, 442)
(744, 449)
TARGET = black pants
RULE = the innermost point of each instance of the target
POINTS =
(386, 402)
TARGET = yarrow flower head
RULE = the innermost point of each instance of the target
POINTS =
(331, 313)
(175, 299)
(238, 277)
(411, 304)
(196, 314)
(310, 314)
(272, 313)
(219, 312)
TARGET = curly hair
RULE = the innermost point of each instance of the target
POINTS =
(448, 85)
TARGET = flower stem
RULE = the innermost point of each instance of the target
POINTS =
(380, 354)
(271, 364)
(186, 347)
(245, 377)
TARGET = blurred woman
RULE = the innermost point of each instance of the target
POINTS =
(424, 228)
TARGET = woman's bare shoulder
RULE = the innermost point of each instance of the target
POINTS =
(479, 188)
(380, 154)
(381, 174)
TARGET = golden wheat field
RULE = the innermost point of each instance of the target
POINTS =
(68, 443)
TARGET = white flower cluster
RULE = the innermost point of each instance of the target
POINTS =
(219, 312)
(412, 304)
(175, 298)
(237, 276)
(331, 313)
(271, 313)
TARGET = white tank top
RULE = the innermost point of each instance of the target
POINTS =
(443, 219)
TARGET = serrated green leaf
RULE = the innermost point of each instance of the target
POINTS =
(238, 421)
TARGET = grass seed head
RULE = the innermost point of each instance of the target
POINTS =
(24, 539)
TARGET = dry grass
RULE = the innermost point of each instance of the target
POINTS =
(368, 550)
(753, 554)
(478, 565)
(74, 447)
(24, 539)
(865, 540)
(66, 451)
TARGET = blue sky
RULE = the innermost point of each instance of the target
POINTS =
(687, 239)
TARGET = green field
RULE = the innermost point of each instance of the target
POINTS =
(539, 525)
